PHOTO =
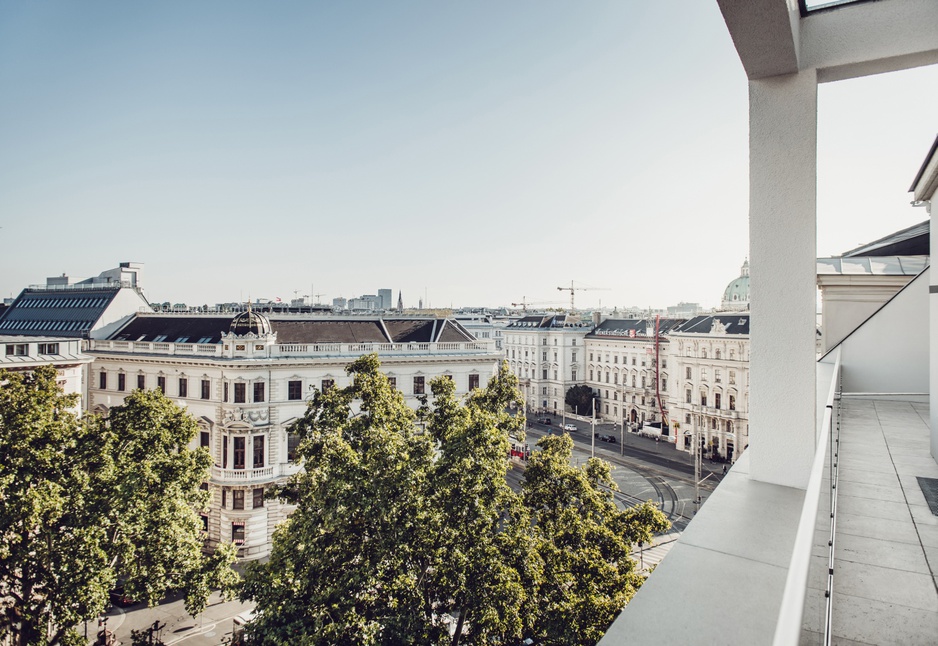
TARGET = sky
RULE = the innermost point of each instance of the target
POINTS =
(479, 153)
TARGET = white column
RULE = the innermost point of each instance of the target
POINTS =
(783, 250)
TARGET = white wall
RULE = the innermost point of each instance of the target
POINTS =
(889, 352)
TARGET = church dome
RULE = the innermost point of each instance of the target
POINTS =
(736, 295)
(250, 323)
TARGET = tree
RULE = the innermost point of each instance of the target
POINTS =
(583, 541)
(85, 500)
(580, 398)
(405, 528)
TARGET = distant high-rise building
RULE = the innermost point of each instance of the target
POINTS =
(385, 296)
(339, 303)
(400, 302)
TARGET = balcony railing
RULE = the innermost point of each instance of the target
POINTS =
(286, 350)
(791, 613)
(245, 475)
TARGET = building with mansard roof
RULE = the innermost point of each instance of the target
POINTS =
(247, 377)
(709, 386)
(90, 308)
(627, 367)
(546, 353)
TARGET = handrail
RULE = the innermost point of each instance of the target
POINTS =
(791, 612)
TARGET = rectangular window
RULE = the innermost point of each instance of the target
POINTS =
(591, 375)
(204, 522)
(392, 382)
(224, 452)
(573, 375)
(544, 356)
(141, 382)
(689, 373)
(224, 497)
(703, 399)
(473, 382)
(121, 381)
(203, 439)
(225, 394)
(48, 348)
(161, 384)
(293, 442)
(258, 451)
(206, 389)
(732, 402)
(689, 396)
(327, 384)
(102, 380)
(237, 532)
(183, 387)
(732, 377)
(664, 384)
(664, 364)
(607, 377)
(544, 390)
(240, 393)
(294, 390)
(239, 453)
(258, 498)
(418, 385)
(259, 391)
(717, 375)
(716, 400)
(591, 356)
(573, 358)
(544, 374)
(687, 419)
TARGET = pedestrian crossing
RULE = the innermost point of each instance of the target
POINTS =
(651, 555)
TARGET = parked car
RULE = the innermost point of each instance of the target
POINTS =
(544, 420)
(606, 438)
(120, 598)
(570, 428)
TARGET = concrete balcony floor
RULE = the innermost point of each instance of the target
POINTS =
(723, 580)
(886, 541)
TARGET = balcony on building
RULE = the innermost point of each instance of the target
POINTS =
(854, 434)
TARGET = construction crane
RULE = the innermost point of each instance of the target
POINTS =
(573, 289)
(525, 302)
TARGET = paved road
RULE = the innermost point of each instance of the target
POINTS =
(210, 628)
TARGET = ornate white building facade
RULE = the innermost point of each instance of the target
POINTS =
(709, 387)
(247, 378)
(627, 367)
(547, 354)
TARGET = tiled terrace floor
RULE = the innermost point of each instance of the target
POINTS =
(886, 548)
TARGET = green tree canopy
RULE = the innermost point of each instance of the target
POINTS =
(85, 500)
(580, 398)
(406, 531)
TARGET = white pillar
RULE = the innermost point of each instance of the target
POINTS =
(783, 249)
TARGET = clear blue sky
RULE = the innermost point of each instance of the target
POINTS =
(481, 151)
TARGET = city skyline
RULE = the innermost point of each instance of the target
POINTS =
(466, 154)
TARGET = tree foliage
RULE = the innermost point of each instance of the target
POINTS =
(84, 501)
(580, 398)
(406, 531)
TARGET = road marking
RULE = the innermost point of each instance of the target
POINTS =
(203, 629)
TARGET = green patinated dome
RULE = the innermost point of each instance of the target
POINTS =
(736, 295)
